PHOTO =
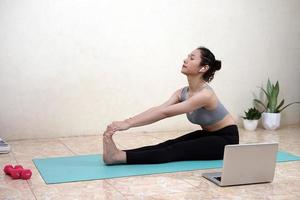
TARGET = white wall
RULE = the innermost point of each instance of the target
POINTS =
(70, 67)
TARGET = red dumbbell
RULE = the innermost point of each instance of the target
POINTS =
(14, 172)
(26, 174)
(7, 169)
(18, 167)
(17, 172)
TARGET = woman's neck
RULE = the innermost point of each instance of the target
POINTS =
(195, 83)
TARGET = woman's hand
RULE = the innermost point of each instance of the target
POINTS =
(118, 126)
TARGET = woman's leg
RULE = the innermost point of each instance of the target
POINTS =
(205, 148)
(112, 155)
(189, 136)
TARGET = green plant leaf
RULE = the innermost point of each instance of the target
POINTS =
(268, 107)
(252, 114)
(276, 89)
(287, 106)
(261, 103)
(281, 103)
(268, 96)
(269, 87)
(273, 100)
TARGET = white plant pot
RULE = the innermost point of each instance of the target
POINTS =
(271, 121)
(250, 125)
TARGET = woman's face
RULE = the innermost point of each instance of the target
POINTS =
(191, 65)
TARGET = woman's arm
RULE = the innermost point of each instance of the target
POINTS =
(166, 111)
(126, 124)
(175, 98)
(163, 111)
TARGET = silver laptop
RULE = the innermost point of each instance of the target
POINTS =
(246, 164)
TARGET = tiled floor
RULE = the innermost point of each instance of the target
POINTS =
(183, 185)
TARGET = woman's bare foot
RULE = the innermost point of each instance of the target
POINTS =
(105, 134)
(111, 154)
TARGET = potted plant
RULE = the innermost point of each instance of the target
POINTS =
(251, 119)
(271, 115)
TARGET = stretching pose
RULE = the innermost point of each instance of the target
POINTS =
(201, 105)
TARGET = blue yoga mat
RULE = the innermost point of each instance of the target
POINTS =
(91, 167)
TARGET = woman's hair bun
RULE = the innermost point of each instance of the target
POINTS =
(217, 65)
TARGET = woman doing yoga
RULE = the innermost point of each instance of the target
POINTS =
(201, 106)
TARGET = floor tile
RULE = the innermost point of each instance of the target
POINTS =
(146, 186)
(77, 190)
(181, 185)
(84, 145)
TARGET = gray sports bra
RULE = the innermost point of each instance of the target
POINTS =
(202, 116)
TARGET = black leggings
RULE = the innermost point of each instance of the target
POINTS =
(197, 145)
